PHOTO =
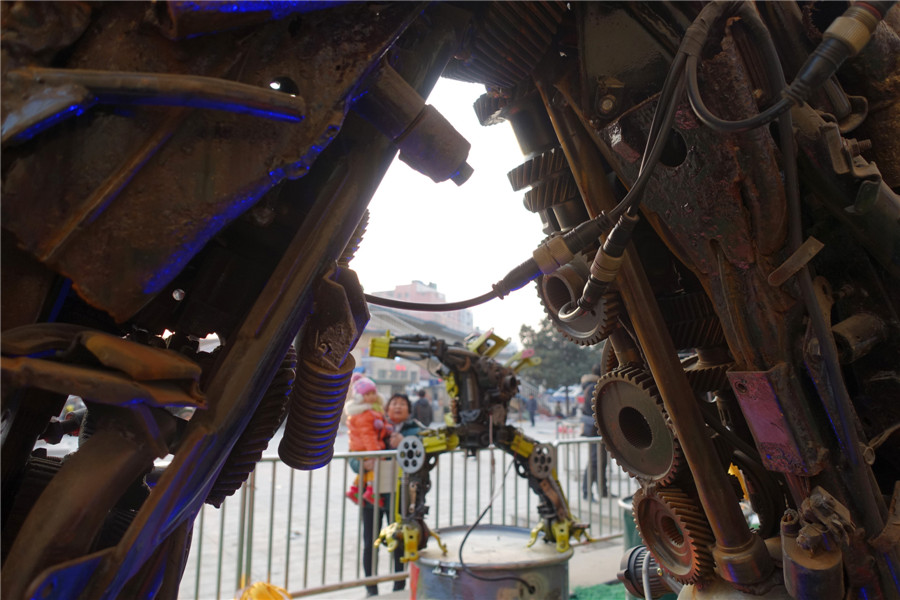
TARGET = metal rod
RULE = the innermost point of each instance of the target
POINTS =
(221, 550)
(170, 89)
(306, 542)
(343, 525)
(290, 518)
(199, 554)
(271, 523)
(325, 519)
(238, 584)
(250, 525)
(451, 482)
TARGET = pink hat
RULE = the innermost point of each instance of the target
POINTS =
(363, 386)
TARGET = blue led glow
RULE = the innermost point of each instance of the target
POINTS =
(73, 110)
(890, 563)
(278, 8)
(60, 299)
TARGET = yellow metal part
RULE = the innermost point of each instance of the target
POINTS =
(733, 470)
(441, 441)
(410, 543)
(380, 347)
(452, 387)
(561, 534)
(488, 344)
(523, 358)
(521, 446)
(534, 535)
(388, 536)
(440, 543)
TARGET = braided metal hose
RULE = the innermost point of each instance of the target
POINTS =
(315, 414)
(255, 439)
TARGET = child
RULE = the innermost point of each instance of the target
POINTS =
(368, 429)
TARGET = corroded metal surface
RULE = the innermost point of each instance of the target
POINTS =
(123, 254)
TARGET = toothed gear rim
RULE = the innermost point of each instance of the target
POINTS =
(676, 531)
(511, 38)
(565, 285)
(635, 426)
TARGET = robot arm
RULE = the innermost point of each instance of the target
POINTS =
(481, 389)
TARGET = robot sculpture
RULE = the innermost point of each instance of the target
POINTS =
(481, 389)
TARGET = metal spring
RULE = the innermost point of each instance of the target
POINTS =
(262, 426)
(314, 414)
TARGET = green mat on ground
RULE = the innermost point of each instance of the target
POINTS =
(606, 591)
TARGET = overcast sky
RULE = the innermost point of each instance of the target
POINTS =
(462, 238)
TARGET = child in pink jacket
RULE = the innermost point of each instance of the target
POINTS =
(368, 428)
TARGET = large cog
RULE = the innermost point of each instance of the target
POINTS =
(635, 426)
(676, 531)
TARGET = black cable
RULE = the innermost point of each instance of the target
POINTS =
(668, 100)
(462, 564)
(713, 122)
(432, 307)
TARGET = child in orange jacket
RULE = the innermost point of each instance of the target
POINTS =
(368, 428)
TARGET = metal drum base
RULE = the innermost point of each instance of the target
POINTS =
(492, 551)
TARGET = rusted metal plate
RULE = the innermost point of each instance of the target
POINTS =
(151, 188)
(96, 385)
(765, 399)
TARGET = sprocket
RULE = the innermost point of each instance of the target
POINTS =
(635, 426)
(676, 531)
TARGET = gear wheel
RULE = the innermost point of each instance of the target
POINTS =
(635, 426)
(565, 285)
(676, 532)
(488, 107)
(550, 179)
(355, 241)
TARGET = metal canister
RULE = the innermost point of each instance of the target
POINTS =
(496, 563)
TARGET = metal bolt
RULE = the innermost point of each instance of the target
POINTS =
(607, 104)
(178, 295)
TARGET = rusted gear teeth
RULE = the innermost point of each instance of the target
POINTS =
(510, 39)
(549, 177)
(355, 241)
(638, 432)
(707, 378)
(691, 320)
(487, 109)
(676, 531)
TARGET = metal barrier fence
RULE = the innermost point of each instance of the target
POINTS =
(297, 530)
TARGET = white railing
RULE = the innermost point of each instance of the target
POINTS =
(298, 531)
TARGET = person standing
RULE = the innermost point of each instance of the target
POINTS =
(422, 410)
(368, 431)
(589, 429)
(532, 408)
(397, 412)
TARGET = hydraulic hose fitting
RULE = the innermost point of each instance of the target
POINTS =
(604, 269)
(553, 254)
(844, 38)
